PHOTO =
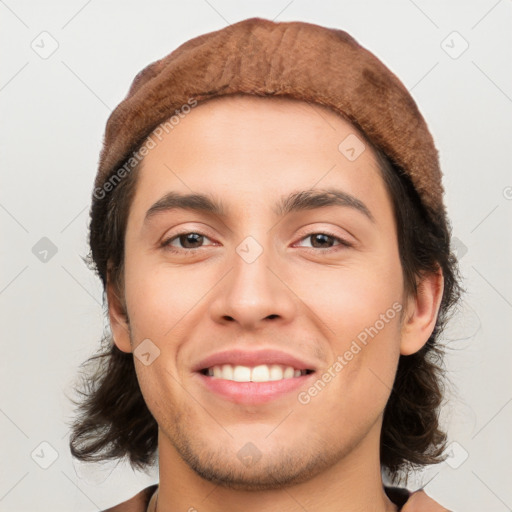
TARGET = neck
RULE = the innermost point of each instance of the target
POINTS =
(354, 483)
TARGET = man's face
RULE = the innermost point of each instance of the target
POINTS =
(252, 288)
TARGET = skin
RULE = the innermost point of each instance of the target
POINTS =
(421, 502)
(308, 296)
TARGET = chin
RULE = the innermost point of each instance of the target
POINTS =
(270, 475)
(249, 469)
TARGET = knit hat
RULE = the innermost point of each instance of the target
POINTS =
(297, 60)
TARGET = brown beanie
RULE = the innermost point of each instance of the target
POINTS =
(288, 59)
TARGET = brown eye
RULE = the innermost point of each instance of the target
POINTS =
(190, 240)
(321, 240)
(185, 241)
(325, 241)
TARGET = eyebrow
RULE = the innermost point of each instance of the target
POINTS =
(294, 202)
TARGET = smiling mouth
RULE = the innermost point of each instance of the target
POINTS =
(260, 373)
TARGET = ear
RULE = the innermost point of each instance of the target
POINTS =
(421, 314)
(118, 318)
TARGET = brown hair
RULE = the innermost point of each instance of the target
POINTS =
(113, 420)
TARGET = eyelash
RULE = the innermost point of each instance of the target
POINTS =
(166, 244)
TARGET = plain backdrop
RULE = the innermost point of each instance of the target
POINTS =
(65, 65)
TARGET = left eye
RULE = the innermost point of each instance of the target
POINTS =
(323, 238)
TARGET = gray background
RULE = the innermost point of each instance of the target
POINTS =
(54, 107)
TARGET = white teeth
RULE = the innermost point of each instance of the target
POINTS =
(289, 373)
(227, 372)
(242, 374)
(261, 373)
(276, 372)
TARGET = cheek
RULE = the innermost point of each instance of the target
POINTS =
(352, 298)
(365, 355)
(160, 392)
(361, 308)
(160, 296)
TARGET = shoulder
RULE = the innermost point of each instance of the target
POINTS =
(412, 502)
(138, 503)
(419, 501)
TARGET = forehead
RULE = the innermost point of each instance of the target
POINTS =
(248, 148)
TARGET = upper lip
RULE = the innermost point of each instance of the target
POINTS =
(253, 358)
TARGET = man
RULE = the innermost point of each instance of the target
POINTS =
(269, 228)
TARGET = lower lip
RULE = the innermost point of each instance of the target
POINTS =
(253, 392)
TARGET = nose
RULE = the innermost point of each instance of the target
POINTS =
(254, 293)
